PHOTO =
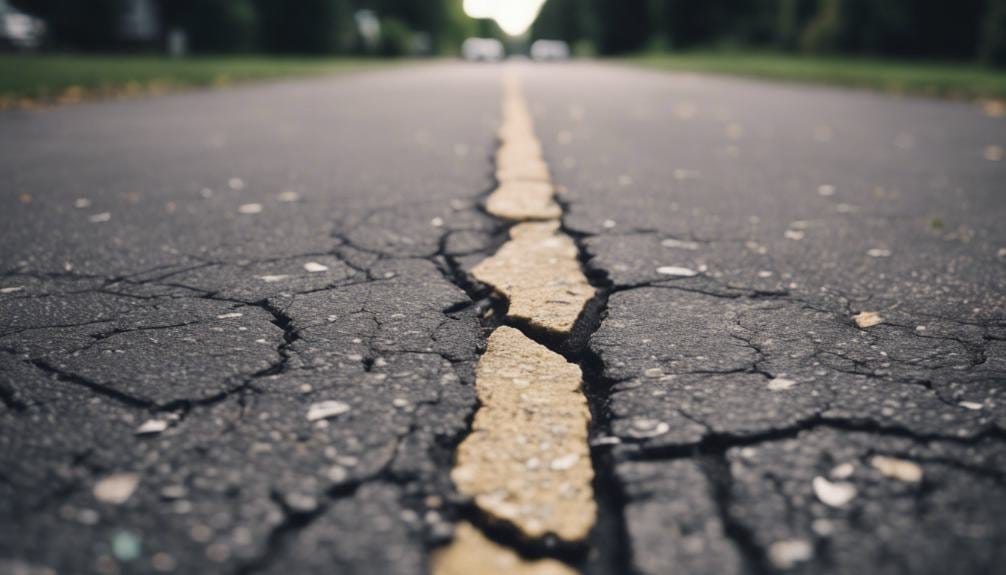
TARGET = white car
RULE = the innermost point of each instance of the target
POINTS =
(19, 30)
(482, 50)
(545, 50)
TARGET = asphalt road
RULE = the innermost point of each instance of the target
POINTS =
(237, 333)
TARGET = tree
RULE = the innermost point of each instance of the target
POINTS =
(623, 25)
(993, 40)
(73, 24)
(823, 31)
(305, 26)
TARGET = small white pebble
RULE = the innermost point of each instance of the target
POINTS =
(823, 527)
(326, 409)
(781, 384)
(437, 222)
(676, 271)
(152, 427)
(608, 224)
(229, 315)
(679, 244)
(273, 279)
(82, 203)
(826, 191)
(974, 406)
(116, 488)
(836, 494)
(337, 474)
(645, 428)
(793, 234)
(878, 253)
(99, 218)
(11, 289)
(787, 553)
(236, 184)
(842, 471)
(288, 196)
(250, 209)
(315, 267)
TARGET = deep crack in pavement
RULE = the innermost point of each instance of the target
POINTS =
(253, 348)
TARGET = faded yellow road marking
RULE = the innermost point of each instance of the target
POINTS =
(523, 200)
(526, 461)
(473, 554)
(525, 189)
(537, 271)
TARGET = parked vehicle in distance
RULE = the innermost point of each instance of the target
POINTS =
(19, 30)
(546, 50)
(482, 50)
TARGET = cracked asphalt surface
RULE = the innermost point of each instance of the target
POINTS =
(186, 279)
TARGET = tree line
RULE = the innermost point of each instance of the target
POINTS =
(966, 30)
(936, 29)
(262, 26)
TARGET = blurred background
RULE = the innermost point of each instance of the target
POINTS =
(803, 39)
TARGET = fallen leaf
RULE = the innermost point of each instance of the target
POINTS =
(899, 469)
(867, 319)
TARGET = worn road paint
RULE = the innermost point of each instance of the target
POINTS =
(525, 189)
(526, 461)
(473, 554)
(523, 200)
(538, 273)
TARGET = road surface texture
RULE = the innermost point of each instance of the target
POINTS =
(239, 330)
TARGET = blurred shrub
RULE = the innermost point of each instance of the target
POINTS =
(78, 25)
(822, 32)
(306, 26)
(396, 38)
(220, 26)
(993, 43)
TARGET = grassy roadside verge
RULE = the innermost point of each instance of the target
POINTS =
(945, 80)
(32, 80)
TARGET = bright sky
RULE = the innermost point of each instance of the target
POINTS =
(513, 16)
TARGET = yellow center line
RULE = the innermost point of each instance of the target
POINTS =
(526, 463)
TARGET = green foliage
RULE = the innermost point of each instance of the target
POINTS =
(823, 32)
(940, 29)
(953, 80)
(220, 26)
(623, 25)
(993, 42)
(78, 25)
(305, 26)
(396, 38)
(48, 77)
(933, 29)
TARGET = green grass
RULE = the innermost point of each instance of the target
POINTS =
(27, 79)
(946, 80)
